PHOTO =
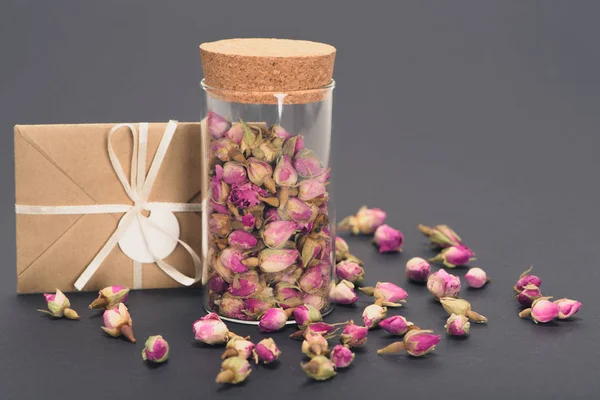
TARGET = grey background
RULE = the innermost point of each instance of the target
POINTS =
(479, 114)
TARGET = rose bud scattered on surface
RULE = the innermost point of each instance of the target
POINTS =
(59, 306)
(234, 173)
(343, 293)
(388, 239)
(395, 325)
(528, 295)
(238, 346)
(458, 325)
(542, 310)
(319, 368)
(276, 234)
(567, 308)
(526, 279)
(365, 221)
(273, 320)
(211, 330)
(476, 278)
(417, 269)
(461, 307)
(442, 284)
(416, 343)
(242, 240)
(276, 260)
(350, 271)
(156, 349)
(454, 256)
(354, 335)
(441, 236)
(234, 370)
(341, 356)
(314, 345)
(117, 322)
(373, 314)
(217, 125)
(266, 351)
(306, 314)
(390, 295)
(110, 297)
(323, 328)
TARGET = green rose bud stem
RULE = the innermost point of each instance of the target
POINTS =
(70, 313)
(270, 185)
(272, 201)
(526, 313)
(229, 353)
(393, 348)
(100, 302)
(480, 319)
(127, 332)
(425, 230)
(283, 196)
(226, 376)
(368, 290)
(251, 262)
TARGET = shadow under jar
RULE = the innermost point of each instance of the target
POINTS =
(268, 223)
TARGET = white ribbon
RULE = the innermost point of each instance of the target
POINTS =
(138, 189)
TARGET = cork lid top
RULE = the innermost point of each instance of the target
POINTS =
(267, 65)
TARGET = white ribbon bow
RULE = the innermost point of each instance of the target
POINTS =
(138, 189)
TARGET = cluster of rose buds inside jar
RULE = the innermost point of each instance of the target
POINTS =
(270, 243)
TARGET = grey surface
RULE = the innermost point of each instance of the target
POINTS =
(480, 114)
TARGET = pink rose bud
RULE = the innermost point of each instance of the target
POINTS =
(219, 225)
(217, 125)
(341, 356)
(245, 284)
(316, 300)
(280, 132)
(454, 255)
(110, 297)
(59, 306)
(273, 320)
(441, 236)
(242, 240)
(117, 322)
(299, 211)
(249, 220)
(266, 351)
(218, 188)
(442, 284)
(528, 295)
(306, 315)
(323, 328)
(476, 277)
(416, 343)
(255, 306)
(458, 325)
(276, 260)
(246, 195)
(461, 307)
(389, 294)
(276, 234)
(285, 174)
(156, 349)
(307, 164)
(354, 335)
(235, 133)
(365, 221)
(309, 189)
(284, 291)
(217, 284)
(542, 310)
(526, 279)
(219, 208)
(314, 345)
(350, 271)
(388, 239)
(234, 173)
(343, 293)
(238, 346)
(319, 368)
(261, 173)
(373, 314)
(232, 307)
(231, 259)
(312, 280)
(234, 370)
(272, 215)
(396, 325)
(417, 269)
(210, 330)
(567, 308)
(226, 150)
(293, 145)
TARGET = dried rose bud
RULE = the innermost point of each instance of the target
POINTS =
(542, 310)
(234, 370)
(285, 174)
(306, 314)
(341, 356)
(268, 151)
(273, 320)
(276, 234)
(390, 295)
(442, 284)
(350, 271)
(280, 132)
(117, 322)
(343, 293)
(567, 308)
(416, 343)
(310, 188)
(365, 221)
(231, 259)
(417, 269)
(526, 279)
(476, 277)
(314, 345)
(316, 300)
(323, 328)
(454, 255)
(284, 291)
(312, 280)
(319, 368)
(59, 306)
(528, 295)
(396, 325)
(232, 307)
(299, 211)
(217, 125)
(210, 330)
(217, 284)
(266, 351)
(238, 346)
(261, 173)
(244, 285)
(354, 335)
(235, 133)
(220, 225)
(242, 240)
(461, 307)
(458, 325)
(218, 188)
(246, 195)
(388, 239)
(234, 173)
(219, 208)
(293, 145)
(373, 314)
(441, 236)
(156, 349)
(276, 260)
(256, 306)
(110, 297)
(307, 164)
(341, 249)
(249, 221)
(226, 150)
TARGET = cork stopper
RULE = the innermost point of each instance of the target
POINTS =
(260, 70)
